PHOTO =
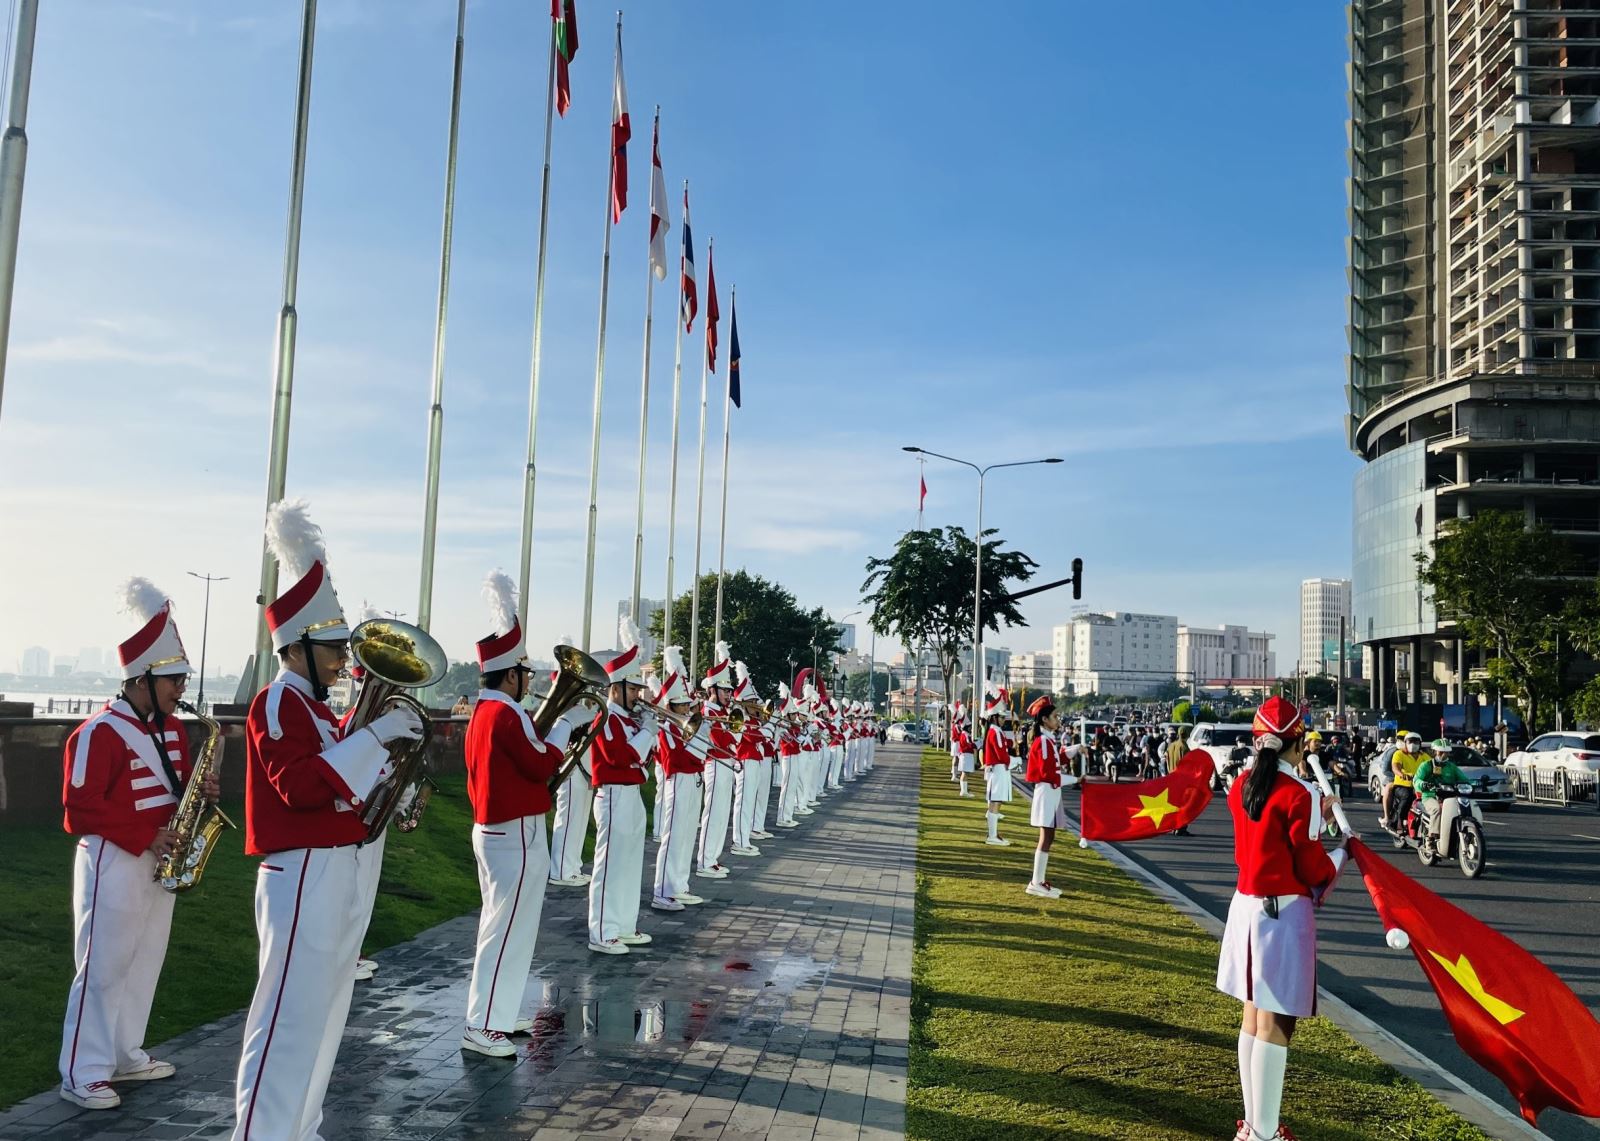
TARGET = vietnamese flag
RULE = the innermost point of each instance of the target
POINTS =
(1510, 1013)
(1149, 807)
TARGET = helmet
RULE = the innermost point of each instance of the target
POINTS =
(1440, 745)
(1407, 738)
(1313, 736)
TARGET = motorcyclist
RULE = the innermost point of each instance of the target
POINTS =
(1436, 771)
(1403, 763)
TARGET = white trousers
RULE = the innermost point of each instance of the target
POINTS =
(763, 795)
(660, 803)
(788, 786)
(513, 862)
(744, 802)
(120, 922)
(715, 813)
(680, 813)
(835, 762)
(618, 862)
(574, 801)
(810, 775)
(312, 907)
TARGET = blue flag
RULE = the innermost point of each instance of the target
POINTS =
(733, 352)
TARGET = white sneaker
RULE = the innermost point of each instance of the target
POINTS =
(609, 947)
(489, 1043)
(761, 835)
(637, 939)
(666, 905)
(1044, 891)
(95, 1095)
(688, 898)
(786, 824)
(579, 880)
(365, 969)
(802, 812)
(998, 842)
(149, 1072)
(746, 850)
(522, 1026)
(967, 796)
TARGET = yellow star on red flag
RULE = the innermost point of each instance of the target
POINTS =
(1466, 975)
(1157, 808)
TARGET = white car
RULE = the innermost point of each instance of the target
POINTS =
(1578, 753)
(1218, 740)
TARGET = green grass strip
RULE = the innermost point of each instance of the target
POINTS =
(1096, 1015)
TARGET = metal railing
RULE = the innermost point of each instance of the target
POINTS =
(1554, 786)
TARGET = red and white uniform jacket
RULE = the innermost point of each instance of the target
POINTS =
(113, 784)
(769, 741)
(750, 742)
(672, 754)
(788, 741)
(509, 765)
(621, 749)
(1044, 761)
(996, 746)
(1280, 854)
(724, 745)
(305, 780)
(835, 737)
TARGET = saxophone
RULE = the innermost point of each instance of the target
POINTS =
(197, 822)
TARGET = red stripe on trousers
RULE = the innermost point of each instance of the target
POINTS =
(88, 954)
(288, 954)
(515, 898)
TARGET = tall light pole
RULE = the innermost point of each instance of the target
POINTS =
(13, 164)
(841, 622)
(978, 670)
(205, 629)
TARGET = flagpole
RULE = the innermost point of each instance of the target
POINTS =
(430, 509)
(599, 389)
(699, 504)
(283, 353)
(644, 388)
(531, 470)
(13, 166)
(672, 481)
(727, 424)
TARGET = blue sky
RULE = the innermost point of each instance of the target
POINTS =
(1060, 231)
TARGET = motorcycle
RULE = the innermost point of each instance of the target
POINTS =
(1460, 831)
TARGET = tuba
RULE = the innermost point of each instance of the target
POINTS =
(395, 656)
(579, 680)
(196, 821)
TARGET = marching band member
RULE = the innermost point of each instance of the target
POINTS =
(768, 765)
(305, 784)
(967, 761)
(574, 803)
(681, 773)
(835, 744)
(1044, 773)
(788, 757)
(810, 751)
(996, 762)
(123, 771)
(508, 784)
(748, 759)
(720, 768)
(1269, 948)
(618, 757)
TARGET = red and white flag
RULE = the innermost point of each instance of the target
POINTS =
(621, 132)
(690, 304)
(659, 224)
(712, 314)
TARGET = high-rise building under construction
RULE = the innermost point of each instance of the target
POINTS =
(1474, 325)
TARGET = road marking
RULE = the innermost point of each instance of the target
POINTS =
(1581, 836)
(1498, 823)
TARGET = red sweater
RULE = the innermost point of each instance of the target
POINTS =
(1279, 854)
(1044, 761)
(508, 766)
(613, 757)
(112, 783)
(996, 749)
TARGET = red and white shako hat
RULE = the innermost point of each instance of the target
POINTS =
(994, 700)
(745, 690)
(786, 703)
(673, 687)
(156, 647)
(309, 608)
(623, 665)
(1277, 722)
(505, 649)
(720, 675)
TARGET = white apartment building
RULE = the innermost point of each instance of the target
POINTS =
(1032, 669)
(1323, 601)
(1114, 653)
(1218, 655)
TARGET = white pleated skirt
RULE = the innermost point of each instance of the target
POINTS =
(997, 782)
(1271, 962)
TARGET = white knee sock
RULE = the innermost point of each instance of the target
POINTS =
(1247, 1046)
(963, 784)
(994, 824)
(1267, 1062)
(1041, 861)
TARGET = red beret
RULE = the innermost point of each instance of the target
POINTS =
(1279, 717)
(1041, 707)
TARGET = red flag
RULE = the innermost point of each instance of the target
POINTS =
(621, 132)
(1509, 1012)
(923, 497)
(1148, 807)
(712, 312)
(564, 24)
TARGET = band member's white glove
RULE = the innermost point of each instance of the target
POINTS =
(702, 734)
(560, 733)
(400, 723)
(644, 740)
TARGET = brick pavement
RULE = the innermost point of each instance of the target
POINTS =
(778, 1009)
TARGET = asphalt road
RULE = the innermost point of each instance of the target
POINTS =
(1541, 888)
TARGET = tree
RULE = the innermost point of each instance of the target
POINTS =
(1508, 588)
(461, 677)
(856, 687)
(922, 593)
(1183, 712)
(761, 622)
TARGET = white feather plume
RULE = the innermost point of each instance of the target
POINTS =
(295, 541)
(783, 691)
(991, 690)
(672, 661)
(741, 671)
(141, 598)
(501, 595)
(810, 692)
(368, 612)
(724, 652)
(627, 633)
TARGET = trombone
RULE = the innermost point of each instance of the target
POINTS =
(687, 724)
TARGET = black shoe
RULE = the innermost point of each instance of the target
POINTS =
(1184, 831)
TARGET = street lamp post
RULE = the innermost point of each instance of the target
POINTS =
(978, 670)
(205, 630)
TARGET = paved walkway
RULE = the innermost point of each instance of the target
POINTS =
(778, 1009)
